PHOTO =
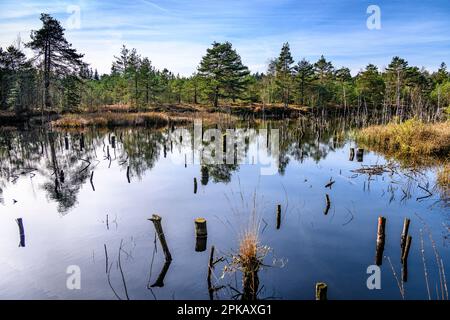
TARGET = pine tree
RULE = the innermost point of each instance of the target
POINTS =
(223, 72)
(370, 86)
(284, 72)
(304, 75)
(324, 73)
(58, 56)
(395, 73)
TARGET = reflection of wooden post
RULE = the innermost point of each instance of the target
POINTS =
(360, 155)
(380, 240)
(404, 236)
(92, 180)
(128, 174)
(328, 204)
(195, 185)
(205, 176)
(162, 239)
(82, 142)
(278, 216)
(21, 232)
(321, 291)
(61, 176)
(352, 154)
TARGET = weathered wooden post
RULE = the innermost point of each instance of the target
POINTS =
(328, 204)
(406, 251)
(21, 232)
(380, 240)
(404, 236)
(201, 234)
(66, 142)
(210, 269)
(360, 155)
(200, 227)
(162, 239)
(321, 291)
(278, 216)
(160, 280)
(195, 185)
(352, 154)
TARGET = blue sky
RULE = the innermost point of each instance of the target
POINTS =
(176, 33)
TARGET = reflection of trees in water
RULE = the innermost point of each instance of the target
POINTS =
(141, 150)
(65, 170)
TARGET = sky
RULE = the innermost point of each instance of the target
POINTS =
(175, 34)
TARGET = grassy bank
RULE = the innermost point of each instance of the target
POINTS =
(125, 119)
(411, 142)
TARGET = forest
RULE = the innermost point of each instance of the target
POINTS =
(56, 80)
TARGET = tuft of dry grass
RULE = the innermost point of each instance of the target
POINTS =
(413, 140)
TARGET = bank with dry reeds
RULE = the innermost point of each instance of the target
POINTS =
(411, 142)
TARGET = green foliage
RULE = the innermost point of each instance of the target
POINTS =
(223, 72)
(57, 78)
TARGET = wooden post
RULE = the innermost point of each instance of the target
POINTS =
(160, 280)
(21, 232)
(360, 155)
(210, 268)
(404, 236)
(66, 142)
(113, 142)
(406, 251)
(195, 185)
(352, 154)
(107, 152)
(61, 176)
(380, 240)
(200, 227)
(321, 291)
(278, 216)
(328, 204)
(162, 239)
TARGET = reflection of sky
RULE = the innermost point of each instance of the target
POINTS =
(175, 33)
(336, 248)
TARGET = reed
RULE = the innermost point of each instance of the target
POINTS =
(411, 142)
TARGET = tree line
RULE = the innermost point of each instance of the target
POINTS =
(56, 79)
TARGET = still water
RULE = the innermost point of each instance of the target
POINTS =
(71, 218)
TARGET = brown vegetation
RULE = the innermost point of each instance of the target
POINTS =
(412, 142)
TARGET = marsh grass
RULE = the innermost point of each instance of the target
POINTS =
(412, 142)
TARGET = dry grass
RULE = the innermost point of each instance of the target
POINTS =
(411, 141)
(109, 119)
